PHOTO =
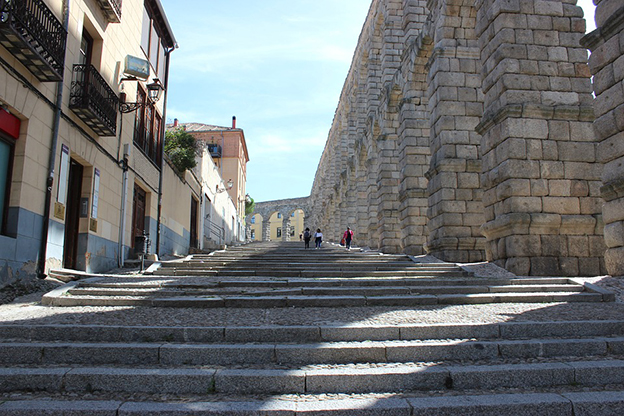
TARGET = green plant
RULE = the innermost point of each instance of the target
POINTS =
(250, 205)
(181, 147)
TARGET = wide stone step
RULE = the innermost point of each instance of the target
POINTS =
(62, 299)
(311, 334)
(520, 404)
(333, 379)
(294, 272)
(321, 291)
(173, 354)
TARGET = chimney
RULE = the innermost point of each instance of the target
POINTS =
(175, 122)
(234, 122)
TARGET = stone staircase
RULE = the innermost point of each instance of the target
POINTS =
(272, 275)
(573, 367)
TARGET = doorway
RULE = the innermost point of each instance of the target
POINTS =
(138, 212)
(194, 210)
(72, 215)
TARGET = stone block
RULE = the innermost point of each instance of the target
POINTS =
(135, 380)
(101, 353)
(341, 353)
(545, 266)
(523, 246)
(375, 379)
(359, 333)
(614, 234)
(597, 373)
(216, 354)
(46, 407)
(561, 205)
(596, 403)
(578, 246)
(614, 261)
(260, 381)
(511, 376)
(407, 351)
(27, 379)
(357, 406)
(259, 408)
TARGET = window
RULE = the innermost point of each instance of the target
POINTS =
(292, 232)
(6, 167)
(253, 219)
(253, 234)
(279, 215)
(279, 232)
(292, 215)
(151, 43)
(147, 129)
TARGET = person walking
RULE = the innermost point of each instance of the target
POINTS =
(347, 237)
(307, 235)
(318, 238)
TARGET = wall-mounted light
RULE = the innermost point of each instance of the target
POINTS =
(230, 184)
(154, 91)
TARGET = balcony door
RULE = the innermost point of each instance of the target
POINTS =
(72, 215)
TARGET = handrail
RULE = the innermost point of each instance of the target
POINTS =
(218, 230)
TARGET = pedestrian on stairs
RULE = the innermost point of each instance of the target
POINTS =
(318, 238)
(347, 237)
(307, 235)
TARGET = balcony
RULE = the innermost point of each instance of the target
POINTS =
(111, 9)
(93, 100)
(31, 32)
(214, 150)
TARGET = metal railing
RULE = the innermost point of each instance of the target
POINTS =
(35, 23)
(112, 9)
(94, 100)
(216, 230)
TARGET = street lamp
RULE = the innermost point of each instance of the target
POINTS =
(230, 183)
(154, 91)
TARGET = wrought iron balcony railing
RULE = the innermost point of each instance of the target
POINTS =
(214, 150)
(33, 34)
(93, 100)
(111, 9)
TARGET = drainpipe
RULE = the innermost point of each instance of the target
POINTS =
(162, 153)
(124, 196)
(51, 161)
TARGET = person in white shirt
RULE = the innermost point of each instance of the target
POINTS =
(318, 238)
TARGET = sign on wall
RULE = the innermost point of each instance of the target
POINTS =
(96, 193)
(63, 171)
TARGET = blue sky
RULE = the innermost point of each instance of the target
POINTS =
(278, 66)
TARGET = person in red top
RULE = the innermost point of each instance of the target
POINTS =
(347, 237)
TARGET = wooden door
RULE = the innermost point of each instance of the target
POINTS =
(194, 210)
(138, 212)
(72, 215)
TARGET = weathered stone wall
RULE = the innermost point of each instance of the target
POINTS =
(464, 129)
(607, 66)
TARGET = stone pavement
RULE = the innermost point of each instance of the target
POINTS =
(551, 357)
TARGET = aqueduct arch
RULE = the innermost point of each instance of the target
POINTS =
(284, 207)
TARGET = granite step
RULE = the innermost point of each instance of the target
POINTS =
(342, 352)
(564, 403)
(333, 379)
(302, 301)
